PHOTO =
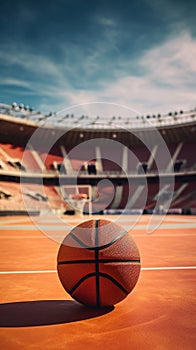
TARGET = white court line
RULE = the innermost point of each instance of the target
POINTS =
(168, 268)
(65, 227)
(143, 269)
(25, 272)
(55, 237)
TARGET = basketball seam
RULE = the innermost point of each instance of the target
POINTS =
(103, 261)
(78, 283)
(97, 263)
(79, 241)
(82, 244)
(100, 274)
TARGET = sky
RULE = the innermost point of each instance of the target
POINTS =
(139, 54)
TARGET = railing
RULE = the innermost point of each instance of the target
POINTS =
(109, 173)
(101, 123)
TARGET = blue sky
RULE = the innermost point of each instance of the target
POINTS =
(56, 54)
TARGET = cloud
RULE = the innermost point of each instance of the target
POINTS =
(159, 80)
(167, 82)
(106, 21)
(15, 82)
(174, 61)
(29, 62)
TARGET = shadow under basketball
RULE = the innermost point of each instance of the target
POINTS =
(46, 312)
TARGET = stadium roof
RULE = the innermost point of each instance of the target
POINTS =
(17, 121)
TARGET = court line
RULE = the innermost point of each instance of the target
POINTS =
(26, 272)
(63, 235)
(65, 227)
(65, 221)
(142, 269)
(168, 268)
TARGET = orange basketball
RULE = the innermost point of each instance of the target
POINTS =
(98, 263)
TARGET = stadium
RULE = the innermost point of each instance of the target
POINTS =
(82, 152)
(60, 169)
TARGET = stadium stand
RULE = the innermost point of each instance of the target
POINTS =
(39, 169)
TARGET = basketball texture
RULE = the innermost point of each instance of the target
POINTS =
(98, 263)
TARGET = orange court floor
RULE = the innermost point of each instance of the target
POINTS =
(37, 313)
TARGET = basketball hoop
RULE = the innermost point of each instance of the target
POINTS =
(79, 196)
(77, 202)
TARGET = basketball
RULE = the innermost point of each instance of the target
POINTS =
(98, 263)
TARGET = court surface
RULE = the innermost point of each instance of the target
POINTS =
(36, 312)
